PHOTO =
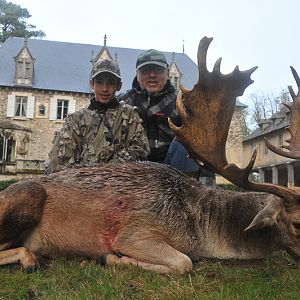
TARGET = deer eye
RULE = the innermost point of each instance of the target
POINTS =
(297, 226)
(297, 229)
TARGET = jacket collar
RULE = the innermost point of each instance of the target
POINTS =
(102, 107)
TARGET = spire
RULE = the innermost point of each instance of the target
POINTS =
(182, 46)
(103, 53)
(92, 57)
(173, 57)
(25, 41)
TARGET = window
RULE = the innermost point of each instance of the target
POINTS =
(62, 109)
(7, 149)
(27, 70)
(20, 68)
(24, 71)
(42, 110)
(20, 106)
(176, 82)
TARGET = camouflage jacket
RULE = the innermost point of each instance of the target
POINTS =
(89, 137)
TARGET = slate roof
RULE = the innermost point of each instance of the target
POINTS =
(277, 121)
(66, 66)
(62, 66)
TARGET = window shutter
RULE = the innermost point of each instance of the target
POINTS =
(72, 104)
(30, 107)
(11, 106)
(53, 109)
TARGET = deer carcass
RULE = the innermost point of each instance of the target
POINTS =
(149, 214)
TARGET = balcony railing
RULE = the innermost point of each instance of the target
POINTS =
(22, 166)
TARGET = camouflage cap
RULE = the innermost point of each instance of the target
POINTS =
(106, 66)
(151, 57)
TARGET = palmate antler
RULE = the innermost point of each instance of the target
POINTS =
(206, 118)
(293, 146)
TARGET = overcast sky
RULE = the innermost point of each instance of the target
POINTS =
(247, 33)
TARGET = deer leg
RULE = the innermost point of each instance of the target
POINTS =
(152, 255)
(111, 259)
(21, 208)
(4, 246)
(27, 259)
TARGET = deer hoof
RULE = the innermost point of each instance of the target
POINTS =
(28, 260)
(102, 260)
(32, 268)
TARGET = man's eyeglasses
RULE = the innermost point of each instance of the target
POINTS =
(152, 68)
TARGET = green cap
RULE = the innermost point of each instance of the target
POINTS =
(106, 66)
(151, 57)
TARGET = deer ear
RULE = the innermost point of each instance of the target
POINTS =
(268, 215)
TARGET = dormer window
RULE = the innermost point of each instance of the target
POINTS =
(24, 72)
(24, 63)
(175, 74)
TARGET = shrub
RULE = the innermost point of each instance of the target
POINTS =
(4, 184)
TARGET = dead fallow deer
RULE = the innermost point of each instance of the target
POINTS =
(149, 214)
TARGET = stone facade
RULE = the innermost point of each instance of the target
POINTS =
(270, 167)
(36, 93)
(234, 145)
(33, 145)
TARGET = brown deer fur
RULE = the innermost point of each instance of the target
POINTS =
(142, 213)
(151, 215)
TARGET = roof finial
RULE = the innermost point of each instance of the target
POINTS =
(105, 38)
(25, 40)
(182, 46)
(173, 57)
(92, 58)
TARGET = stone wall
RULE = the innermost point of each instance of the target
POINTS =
(234, 145)
(40, 140)
(39, 143)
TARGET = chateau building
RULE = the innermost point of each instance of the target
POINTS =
(269, 166)
(42, 81)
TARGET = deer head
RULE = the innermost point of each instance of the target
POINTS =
(206, 117)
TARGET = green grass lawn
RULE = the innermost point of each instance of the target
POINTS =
(273, 278)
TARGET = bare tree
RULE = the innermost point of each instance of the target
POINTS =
(264, 105)
(245, 123)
